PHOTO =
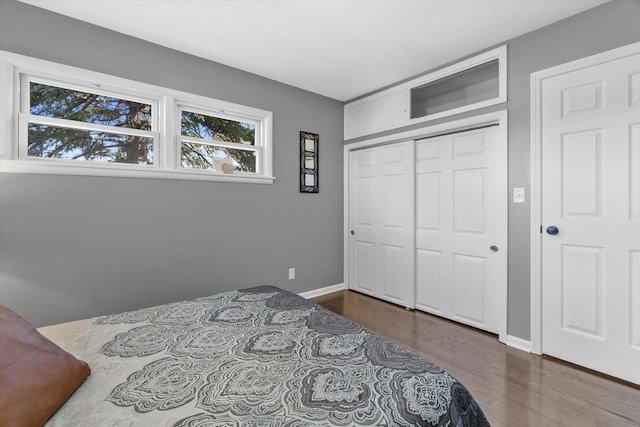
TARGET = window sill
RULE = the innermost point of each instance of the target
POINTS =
(122, 171)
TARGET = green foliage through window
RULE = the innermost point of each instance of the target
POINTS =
(61, 103)
(202, 156)
(88, 123)
(66, 142)
(80, 144)
(217, 129)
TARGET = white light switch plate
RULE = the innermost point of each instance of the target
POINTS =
(518, 195)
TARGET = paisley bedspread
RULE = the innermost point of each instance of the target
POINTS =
(259, 356)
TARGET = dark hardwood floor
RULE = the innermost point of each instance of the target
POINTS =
(513, 388)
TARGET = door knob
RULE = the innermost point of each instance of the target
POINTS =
(553, 230)
(494, 248)
(353, 232)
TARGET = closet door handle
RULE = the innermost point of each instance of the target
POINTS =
(353, 232)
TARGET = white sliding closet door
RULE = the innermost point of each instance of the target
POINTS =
(461, 227)
(381, 218)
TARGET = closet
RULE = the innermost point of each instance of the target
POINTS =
(426, 209)
(427, 224)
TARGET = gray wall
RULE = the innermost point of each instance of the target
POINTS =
(603, 28)
(73, 247)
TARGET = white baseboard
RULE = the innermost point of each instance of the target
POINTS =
(322, 291)
(518, 343)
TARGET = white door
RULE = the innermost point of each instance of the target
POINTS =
(590, 139)
(381, 222)
(461, 227)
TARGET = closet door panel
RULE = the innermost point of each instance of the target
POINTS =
(365, 263)
(394, 274)
(381, 220)
(428, 277)
(433, 226)
(461, 181)
(362, 248)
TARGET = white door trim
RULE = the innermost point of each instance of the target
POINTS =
(537, 80)
(497, 117)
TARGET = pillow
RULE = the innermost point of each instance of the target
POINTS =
(36, 376)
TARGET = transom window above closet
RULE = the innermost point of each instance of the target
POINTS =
(65, 120)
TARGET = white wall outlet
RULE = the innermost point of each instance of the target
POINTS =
(292, 273)
(518, 195)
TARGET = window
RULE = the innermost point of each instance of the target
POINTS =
(61, 119)
(467, 87)
(75, 124)
(207, 141)
(476, 82)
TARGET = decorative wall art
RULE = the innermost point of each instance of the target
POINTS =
(309, 162)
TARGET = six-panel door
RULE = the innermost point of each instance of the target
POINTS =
(591, 194)
(381, 216)
(460, 214)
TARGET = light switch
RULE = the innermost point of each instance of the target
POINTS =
(518, 195)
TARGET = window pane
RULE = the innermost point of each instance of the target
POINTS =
(477, 84)
(216, 128)
(64, 143)
(202, 156)
(51, 101)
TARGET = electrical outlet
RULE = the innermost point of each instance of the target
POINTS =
(292, 273)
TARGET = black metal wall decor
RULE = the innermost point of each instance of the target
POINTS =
(309, 162)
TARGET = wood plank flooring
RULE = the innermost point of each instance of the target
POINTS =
(512, 387)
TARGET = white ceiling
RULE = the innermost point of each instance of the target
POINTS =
(338, 48)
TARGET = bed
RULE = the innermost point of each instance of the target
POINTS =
(260, 356)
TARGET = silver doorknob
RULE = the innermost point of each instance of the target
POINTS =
(553, 230)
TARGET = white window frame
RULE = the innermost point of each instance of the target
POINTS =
(259, 140)
(17, 70)
(25, 118)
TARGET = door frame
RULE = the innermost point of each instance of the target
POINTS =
(537, 80)
(498, 117)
